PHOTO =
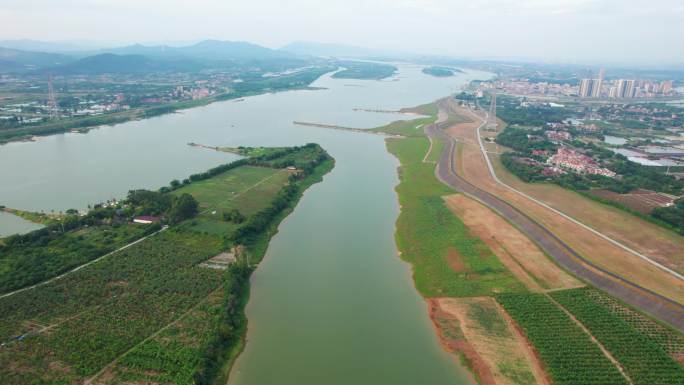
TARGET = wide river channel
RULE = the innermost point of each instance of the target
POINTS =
(331, 303)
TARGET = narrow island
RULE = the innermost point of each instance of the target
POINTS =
(151, 289)
(364, 70)
(441, 72)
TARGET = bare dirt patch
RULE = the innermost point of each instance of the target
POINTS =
(522, 257)
(452, 340)
(220, 262)
(455, 260)
(500, 355)
(643, 201)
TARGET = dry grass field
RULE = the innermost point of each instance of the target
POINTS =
(522, 257)
(497, 352)
(663, 245)
(472, 166)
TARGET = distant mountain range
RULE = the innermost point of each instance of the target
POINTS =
(336, 50)
(72, 58)
(140, 59)
(108, 63)
(14, 60)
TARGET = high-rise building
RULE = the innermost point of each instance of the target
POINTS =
(590, 88)
(585, 88)
(666, 87)
(613, 92)
(630, 89)
(625, 88)
(597, 85)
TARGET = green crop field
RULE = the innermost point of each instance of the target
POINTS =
(97, 313)
(447, 260)
(30, 262)
(247, 188)
(571, 358)
(644, 359)
(151, 312)
(174, 355)
(670, 340)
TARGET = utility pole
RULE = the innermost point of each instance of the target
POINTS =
(491, 125)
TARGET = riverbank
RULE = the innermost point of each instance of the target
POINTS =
(448, 261)
(204, 314)
(85, 124)
(480, 289)
(38, 218)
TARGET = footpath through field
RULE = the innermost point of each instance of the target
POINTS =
(83, 265)
(641, 297)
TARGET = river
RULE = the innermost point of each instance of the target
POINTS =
(331, 303)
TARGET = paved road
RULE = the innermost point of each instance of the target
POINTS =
(658, 306)
(571, 219)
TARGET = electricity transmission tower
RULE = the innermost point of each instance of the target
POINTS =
(52, 100)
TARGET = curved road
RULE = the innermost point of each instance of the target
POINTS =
(642, 298)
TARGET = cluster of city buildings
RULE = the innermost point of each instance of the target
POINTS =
(558, 135)
(525, 87)
(574, 160)
(624, 88)
(194, 93)
(587, 88)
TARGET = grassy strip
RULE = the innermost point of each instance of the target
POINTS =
(40, 218)
(571, 358)
(447, 260)
(225, 349)
(644, 360)
(436, 152)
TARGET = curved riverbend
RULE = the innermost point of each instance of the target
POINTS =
(331, 303)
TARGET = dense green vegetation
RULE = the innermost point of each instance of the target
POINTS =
(644, 360)
(570, 357)
(673, 215)
(447, 260)
(364, 70)
(112, 309)
(440, 72)
(74, 240)
(509, 110)
(101, 311)
(50, 251)
(192, 350)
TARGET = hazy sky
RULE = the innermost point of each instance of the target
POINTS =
(581, 31)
